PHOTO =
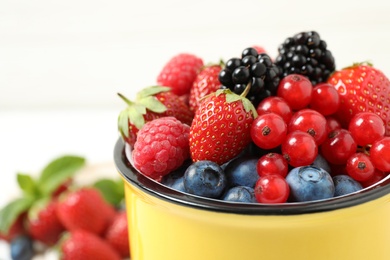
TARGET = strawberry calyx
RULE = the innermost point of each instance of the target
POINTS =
(358, 64)
(36, 192)
(220, 63)
(39, 205)
(135, 110)
(233, 97)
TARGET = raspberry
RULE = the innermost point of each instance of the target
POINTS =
(162, 146)
(180, 72)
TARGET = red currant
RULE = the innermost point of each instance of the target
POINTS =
(380, 154)
(272, 163)
(332, 124)
(338, 146)
(268, 131)
(272, 189)
(275, 105)
(325, 99)
(377, 176)
(359, 167)
(310, 121)
(299, 149)
(366, 128)
(296, 90)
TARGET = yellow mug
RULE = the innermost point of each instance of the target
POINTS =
(165, 224)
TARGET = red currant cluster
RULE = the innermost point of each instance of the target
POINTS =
(299, 124)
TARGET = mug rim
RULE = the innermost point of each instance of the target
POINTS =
(160, 191)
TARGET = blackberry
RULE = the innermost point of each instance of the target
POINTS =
(305, 53)
(254, 68)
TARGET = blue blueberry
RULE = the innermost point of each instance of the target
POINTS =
(320, 162)
(176, 184)
(22, 248)
(175, 178)
(205, 178)
(344, 184)
(242, 172)
(308, 183)
(240, 194)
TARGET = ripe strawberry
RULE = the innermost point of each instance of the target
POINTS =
(206, 82)
(16, 229)
(221, 127)
(62, 188)
(43, 224)
(83, 245)
(85, 209)
(180, 72)
(151, 103)
(362, 88)
(259, 49)
(161, 147)
(117, 234)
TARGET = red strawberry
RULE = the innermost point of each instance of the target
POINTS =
(205, 83)
(85, 209)
(221, 127)
(83, 245)
(362, 88)
(43, 224)
(259, 49)
(62, 188)
(16, 229)
(161, 147)
(151, 103)
(117, 234)
(180, 72)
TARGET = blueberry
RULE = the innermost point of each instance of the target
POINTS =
(308, 183)
(176, 183)
(205, 178)
(240, 194)
(22, 248)
(320, 162)
(344, 184)
(174, 179)
(242, 172)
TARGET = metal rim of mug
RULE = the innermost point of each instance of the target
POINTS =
(131, 175)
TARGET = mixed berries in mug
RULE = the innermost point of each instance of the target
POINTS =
(254, 129)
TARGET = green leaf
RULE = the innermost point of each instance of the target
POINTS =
(248, 106)
(232, 97)
(135, 117)
(112, 191)
(123, 123)
(151, 91)
(27, 184)
(58, 171)
(141, 109)
(37, 207)
(153, 104)
(12, 210)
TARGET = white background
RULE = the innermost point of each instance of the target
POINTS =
(62, 62)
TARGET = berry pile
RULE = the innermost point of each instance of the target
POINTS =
(56, 215)
(289, 130)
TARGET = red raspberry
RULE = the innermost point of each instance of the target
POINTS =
(162, 146)
(180, 73)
